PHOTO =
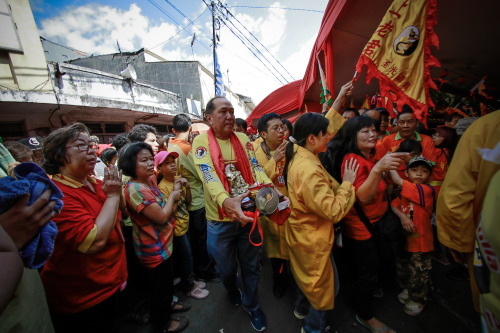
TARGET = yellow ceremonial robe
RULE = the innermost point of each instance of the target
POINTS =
(274, 234)
(317, 201)
(461, 197)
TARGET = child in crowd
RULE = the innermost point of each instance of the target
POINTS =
(183, 259)
(415, 208)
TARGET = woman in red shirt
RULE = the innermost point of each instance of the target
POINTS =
(87, 269)
(445, 141)
(358, 141)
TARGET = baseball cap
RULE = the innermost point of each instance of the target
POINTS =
(420, 160)
(161, 156)
(34, 142)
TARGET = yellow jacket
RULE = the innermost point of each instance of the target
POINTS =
(274, 234)
(461, 197)
(317, 202)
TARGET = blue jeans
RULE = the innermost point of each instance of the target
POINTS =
(226, 242)
(315, 320)
(183, 262)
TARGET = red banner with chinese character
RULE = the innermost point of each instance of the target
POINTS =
(398, 55)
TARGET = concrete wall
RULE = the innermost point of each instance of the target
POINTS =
(27, 71)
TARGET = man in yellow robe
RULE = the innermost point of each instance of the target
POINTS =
(270, 154)
(461, 197)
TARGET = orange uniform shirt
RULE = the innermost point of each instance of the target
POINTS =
(417, 201)
(440, 169)
(391, 143)
(354, 228)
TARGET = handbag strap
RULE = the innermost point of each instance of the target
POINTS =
(363, 217)
(433, 197)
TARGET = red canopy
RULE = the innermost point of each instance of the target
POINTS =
(282, 100)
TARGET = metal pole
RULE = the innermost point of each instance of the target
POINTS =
(214, 45)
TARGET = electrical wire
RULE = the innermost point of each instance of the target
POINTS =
(178, 32)
(243, 42)
(256, 56)
(287, 8)
(258, 42)
(265, 58)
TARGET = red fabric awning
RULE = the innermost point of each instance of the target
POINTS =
(323, 43)
(280, 101)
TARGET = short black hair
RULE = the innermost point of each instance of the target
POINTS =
(127, 158)
(406, 109)
(449, 118)
(120, 140)
(181, 122)
(210, 105)
(140, 132)
(241, 123)
(107, 155)
(54, 146)
(356, 112)
(288, 124)
(410, 146)
(262, 123)
(383, 111)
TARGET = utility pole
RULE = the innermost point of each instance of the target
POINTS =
(214, 44)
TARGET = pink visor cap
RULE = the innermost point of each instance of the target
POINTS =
(161, 156)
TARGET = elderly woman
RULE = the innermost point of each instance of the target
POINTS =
(87, 269)
(153, 232)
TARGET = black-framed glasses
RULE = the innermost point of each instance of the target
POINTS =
(85, 146)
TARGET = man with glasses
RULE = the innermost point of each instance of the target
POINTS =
(407, 125)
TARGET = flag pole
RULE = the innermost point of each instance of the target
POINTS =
(213, 48)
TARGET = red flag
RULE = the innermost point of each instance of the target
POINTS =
(398, 54)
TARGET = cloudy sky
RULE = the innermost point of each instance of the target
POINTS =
(288, 35)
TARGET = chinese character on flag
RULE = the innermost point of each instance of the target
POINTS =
(402, 58)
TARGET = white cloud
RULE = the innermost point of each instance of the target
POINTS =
(95, 28)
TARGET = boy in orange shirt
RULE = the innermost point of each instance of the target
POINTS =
(415, 208)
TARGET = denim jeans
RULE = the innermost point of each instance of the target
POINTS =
(315, 320)
(228, 244)
(183, 262)
(203, 265)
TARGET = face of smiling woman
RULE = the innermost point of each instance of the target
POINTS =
(80, 157)
(367, 139)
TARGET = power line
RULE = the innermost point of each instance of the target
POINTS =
(249, 41)
(178, 32)
(259, 43)
(256, 56)
(175, 21)
(286, 8)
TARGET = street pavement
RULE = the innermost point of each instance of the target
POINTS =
(450, 311)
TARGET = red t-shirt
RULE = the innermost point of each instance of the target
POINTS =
(439, 170)
(75, 281)
(391, 143)
(374, 210)
(417, 200)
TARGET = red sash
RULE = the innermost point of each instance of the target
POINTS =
(241, 164)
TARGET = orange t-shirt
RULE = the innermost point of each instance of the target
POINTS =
(183, 145)
(439, 170)
(391, 143)
(417, 201)
(374, 210)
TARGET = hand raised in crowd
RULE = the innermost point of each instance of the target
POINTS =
(232, 208)
(279, 153)
(350, 171)
(346, 89)
(390, 161)
(407, 223)
(23, 222)
(112, 182)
